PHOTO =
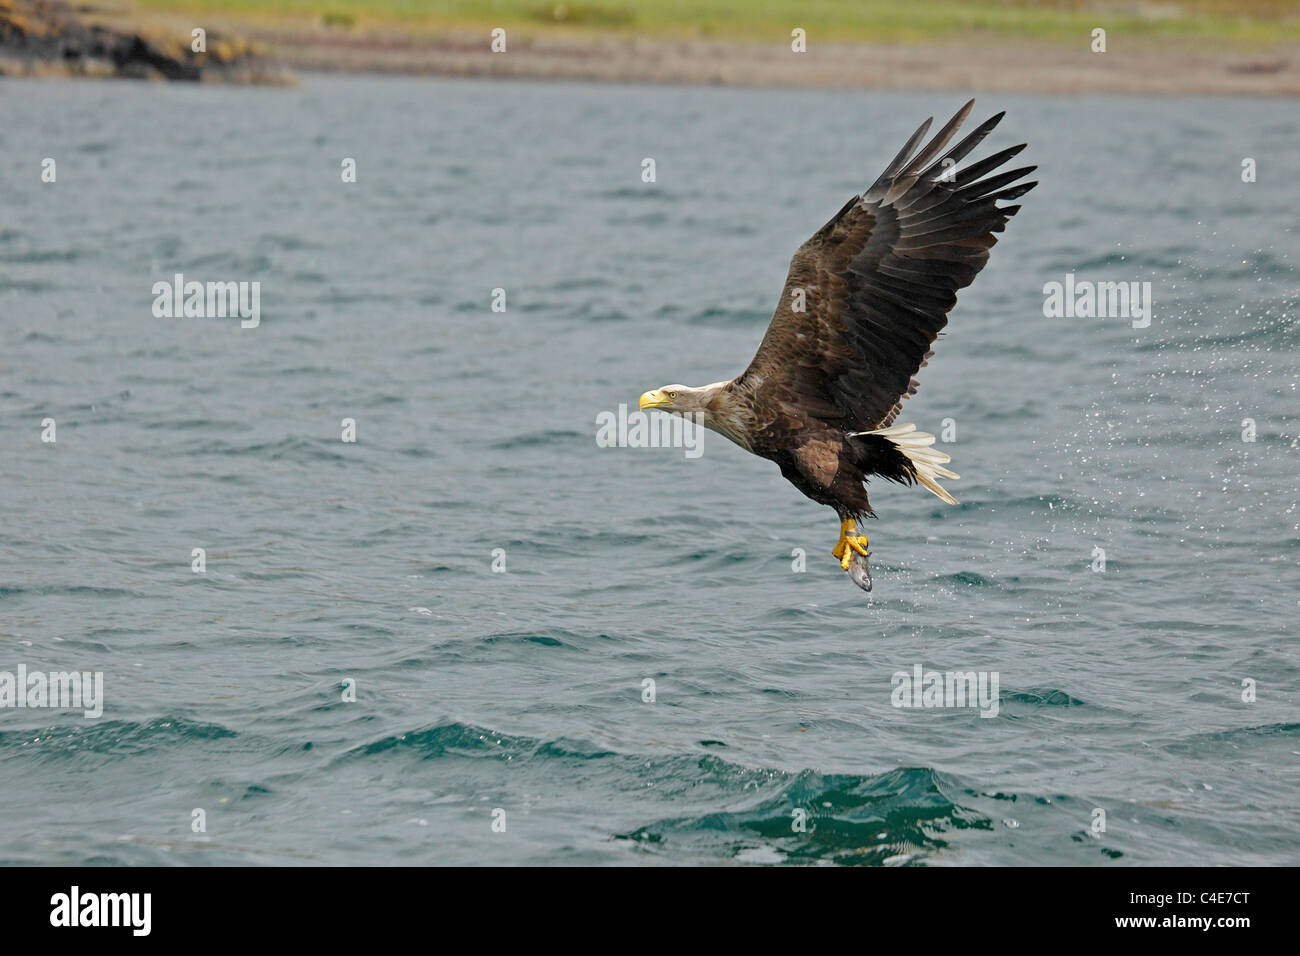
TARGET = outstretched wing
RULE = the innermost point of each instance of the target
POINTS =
(878, 280)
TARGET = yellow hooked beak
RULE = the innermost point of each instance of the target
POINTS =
(654, 399)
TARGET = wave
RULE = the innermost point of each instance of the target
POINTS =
(110, 738)
(745, 814)
(892, 818)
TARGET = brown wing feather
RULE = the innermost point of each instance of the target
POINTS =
(879, 280)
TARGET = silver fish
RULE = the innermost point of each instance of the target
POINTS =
(859, 571)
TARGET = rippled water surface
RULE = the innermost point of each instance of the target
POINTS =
(329, 562)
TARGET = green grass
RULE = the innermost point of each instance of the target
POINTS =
(883, 21)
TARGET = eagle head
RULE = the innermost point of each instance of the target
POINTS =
(673, 398)
(713, 406)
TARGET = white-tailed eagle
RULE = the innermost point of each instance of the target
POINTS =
(865, 299)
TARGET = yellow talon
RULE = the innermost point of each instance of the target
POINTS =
(849, 542)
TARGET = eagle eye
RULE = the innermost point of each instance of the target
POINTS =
(672, 394)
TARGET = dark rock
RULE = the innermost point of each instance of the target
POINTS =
(47, 37)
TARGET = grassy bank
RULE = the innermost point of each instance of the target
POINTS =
(1247, 23)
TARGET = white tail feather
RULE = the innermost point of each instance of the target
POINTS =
(927, 462)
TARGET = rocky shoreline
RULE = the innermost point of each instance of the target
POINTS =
(49, 38)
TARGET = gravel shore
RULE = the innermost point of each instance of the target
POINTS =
(1018, 67)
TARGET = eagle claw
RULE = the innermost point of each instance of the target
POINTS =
(850, 543)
